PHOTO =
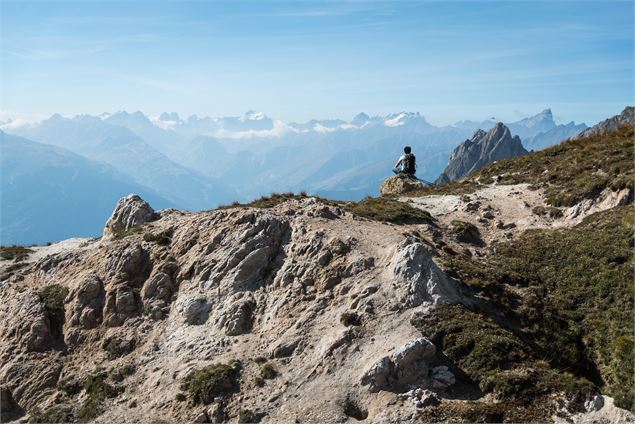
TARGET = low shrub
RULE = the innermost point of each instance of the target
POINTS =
(268, 372)
(350, 319)
(215, 380)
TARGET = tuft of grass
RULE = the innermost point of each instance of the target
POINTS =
(568, 294)
(350, 319)
(215, 380)
(260, 360)
(551, 211)
(466, 232)
(136, 229)
(267, 202)
(268, 372)
(97, 390)
(388, 210)
(163, 238)
(16, 253)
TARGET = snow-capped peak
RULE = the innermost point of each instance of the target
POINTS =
(252, 115)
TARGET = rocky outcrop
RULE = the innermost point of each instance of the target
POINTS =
(626, 118)
(131, 211)
(400, 184)
(483, 148)
(420, 277)
(406, 365)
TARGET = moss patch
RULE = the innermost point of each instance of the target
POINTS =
(388, 210)
(205, 384)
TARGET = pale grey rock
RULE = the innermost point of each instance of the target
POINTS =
(238, 320)
(400, 184)
(482, 149)
(194, 310)
(442, 377)
(407, 365)
(423, 280)
(121, 303)
(87, 309)
(130, 211)
(159, 287)
(378, 377)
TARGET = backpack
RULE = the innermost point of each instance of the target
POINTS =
(409, 166)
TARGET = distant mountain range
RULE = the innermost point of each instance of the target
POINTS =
(201, 162)
(50, 193)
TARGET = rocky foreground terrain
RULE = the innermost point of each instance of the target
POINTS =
(505, 297)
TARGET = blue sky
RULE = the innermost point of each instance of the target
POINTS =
(298, 60)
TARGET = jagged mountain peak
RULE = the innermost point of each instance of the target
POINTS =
(482, 149)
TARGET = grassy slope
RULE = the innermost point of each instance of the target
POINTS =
(569, 172)
(557, 310)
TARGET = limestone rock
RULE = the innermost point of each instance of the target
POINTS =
(400, 184)
(87, 310)
(407, 365)
(442, 377)
(130, 211)
(194, 310)
(423, 280)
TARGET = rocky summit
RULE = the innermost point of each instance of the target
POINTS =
(483, 148)
(506, 297)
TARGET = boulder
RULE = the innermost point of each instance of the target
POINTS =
(406, 365)
(130, 211)
(420, 277)
(400, 184)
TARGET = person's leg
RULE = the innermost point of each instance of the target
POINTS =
(396, 170)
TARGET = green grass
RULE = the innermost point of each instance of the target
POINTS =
(573, 170)
(215, 380)
(97, 391)
(568, 294)
(17, 253)
(386, 209)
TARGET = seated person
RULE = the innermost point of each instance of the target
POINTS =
(406, 163)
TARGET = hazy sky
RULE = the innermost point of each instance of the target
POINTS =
(299, 60)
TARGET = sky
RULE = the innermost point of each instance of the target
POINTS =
(449, 60)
